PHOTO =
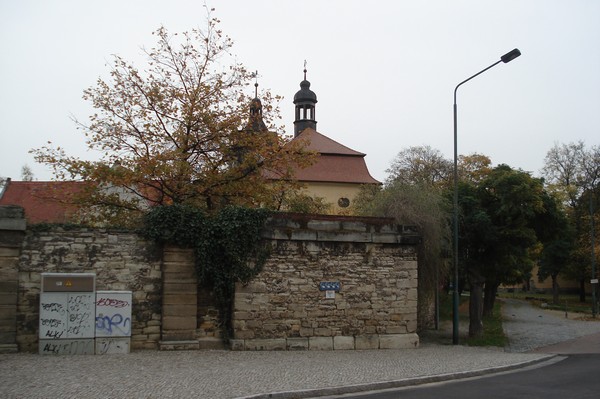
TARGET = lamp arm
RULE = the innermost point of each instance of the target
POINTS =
(477, 74)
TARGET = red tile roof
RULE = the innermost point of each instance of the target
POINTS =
(336, 163)
(323, 144)
(43, 201)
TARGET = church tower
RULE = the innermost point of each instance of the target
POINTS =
(304, 100)
(255, 118)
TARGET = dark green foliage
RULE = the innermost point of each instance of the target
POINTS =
(179, 225)
(227, 245)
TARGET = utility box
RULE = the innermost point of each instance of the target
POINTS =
(67, 313)
(113, 321)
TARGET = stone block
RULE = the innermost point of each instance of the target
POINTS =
(186, 286)
(244, 334)
(9, 348)
(178, 345)
(320, 343)
(276, 344)
(364, 342)
(178, 323)
(13, 224)
(237, 344)
(175, 335)
(341, 342)
(180, 310)
(342, 236)
(398, 341)
(297, 344)
(179, 299)
(8, 299)
(382, 238)
(324, 225)
(211, 343)
(6, 252)
(151, 330)
(396, 330)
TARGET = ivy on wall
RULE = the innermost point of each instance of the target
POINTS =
(227, 245)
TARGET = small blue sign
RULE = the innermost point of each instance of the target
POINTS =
(330, 286)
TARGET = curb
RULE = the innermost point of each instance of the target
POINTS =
(407, 382)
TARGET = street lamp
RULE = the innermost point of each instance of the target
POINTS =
(508, 57)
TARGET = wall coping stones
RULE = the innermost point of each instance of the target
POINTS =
(337, 228)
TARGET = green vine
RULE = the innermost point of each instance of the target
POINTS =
(227, 245)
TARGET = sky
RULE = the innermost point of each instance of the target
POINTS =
(384, 72)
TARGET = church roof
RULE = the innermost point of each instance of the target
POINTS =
(337, 169)
(324, 145)
(335, 163)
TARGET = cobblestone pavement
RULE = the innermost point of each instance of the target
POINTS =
(529, 327)
(227, 374)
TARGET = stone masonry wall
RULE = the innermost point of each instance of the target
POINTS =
(121, 261)
(12, 231)
(375, 263)
(373, 260)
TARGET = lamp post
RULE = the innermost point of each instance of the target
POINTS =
(508, 57)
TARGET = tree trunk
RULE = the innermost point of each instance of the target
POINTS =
(582, 290)
(555, 287)
(476, 305)
(491, 289)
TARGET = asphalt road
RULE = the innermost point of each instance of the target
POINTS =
(574, 376)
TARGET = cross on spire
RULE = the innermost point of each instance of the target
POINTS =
(304, 69)
(256, 84)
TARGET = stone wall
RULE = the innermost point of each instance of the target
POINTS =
(121, 261)
(12, 231)
(373, 260)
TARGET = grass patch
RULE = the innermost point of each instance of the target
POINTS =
(493, 333)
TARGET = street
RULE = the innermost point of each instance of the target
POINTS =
(573, 376)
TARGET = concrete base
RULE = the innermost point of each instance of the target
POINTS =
(178, 345)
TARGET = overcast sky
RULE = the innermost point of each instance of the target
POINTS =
(384, 71)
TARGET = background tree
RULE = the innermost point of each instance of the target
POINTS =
(26, 173)
(557, 238)
(474, 167)
(573, 171)
(413, 196)
(425, 208)
(171, 133)
(420, 165)
(498, 240)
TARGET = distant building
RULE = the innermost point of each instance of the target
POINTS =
(43, 201)
(339, 171)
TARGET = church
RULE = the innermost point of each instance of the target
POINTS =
(339, 171)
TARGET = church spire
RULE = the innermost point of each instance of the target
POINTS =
(255, 119)
(305, 100)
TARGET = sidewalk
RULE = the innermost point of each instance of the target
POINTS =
(303, 374)
(226, 374)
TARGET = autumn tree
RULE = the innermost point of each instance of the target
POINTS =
(173, 132)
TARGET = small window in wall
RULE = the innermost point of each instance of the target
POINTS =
(344, 202)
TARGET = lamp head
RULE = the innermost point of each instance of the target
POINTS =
(511, 55)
